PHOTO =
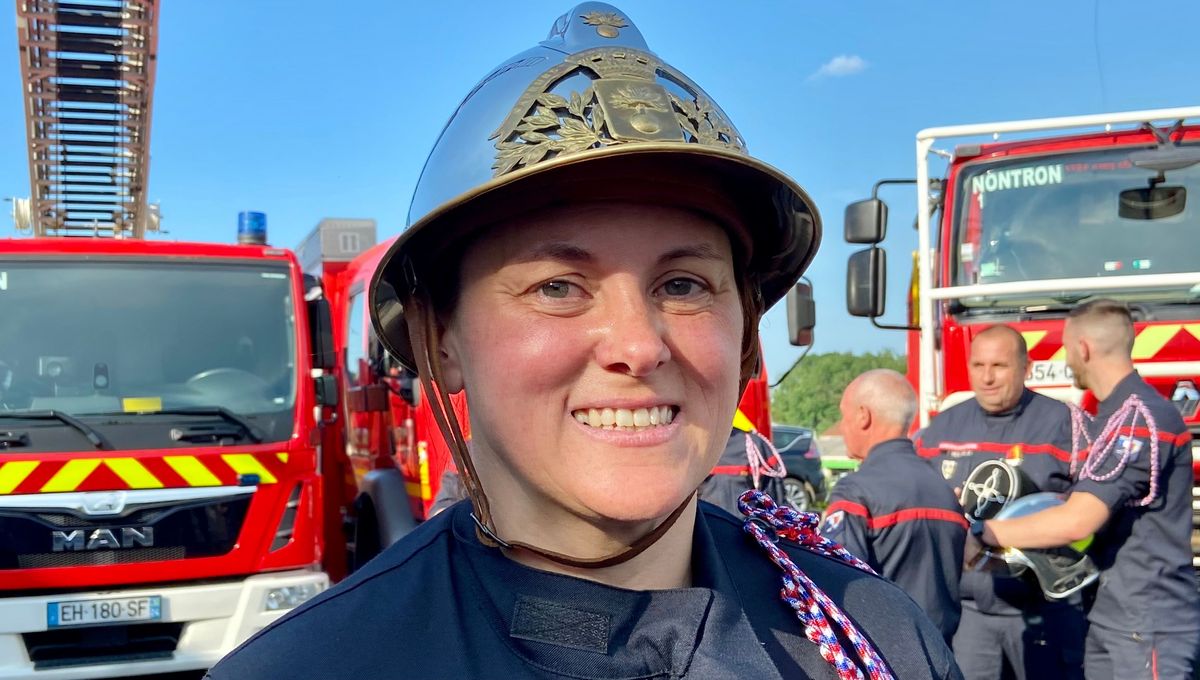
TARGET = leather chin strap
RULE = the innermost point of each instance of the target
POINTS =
(424, 335)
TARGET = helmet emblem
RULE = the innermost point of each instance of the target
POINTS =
(988, 492)
(608, 24)
(624, 102)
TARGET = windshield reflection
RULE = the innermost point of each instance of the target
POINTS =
(1060, 216)
(136, 336)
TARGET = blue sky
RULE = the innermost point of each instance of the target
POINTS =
(306, 109)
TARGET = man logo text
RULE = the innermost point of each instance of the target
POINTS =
(101, 539)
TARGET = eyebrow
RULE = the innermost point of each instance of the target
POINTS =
(557, 250)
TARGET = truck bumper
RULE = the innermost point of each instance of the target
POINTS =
(211, 619)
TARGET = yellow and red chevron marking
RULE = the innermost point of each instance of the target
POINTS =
(1158, 342)
(118, 473)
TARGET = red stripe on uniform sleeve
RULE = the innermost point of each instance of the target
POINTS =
(852, 508)
(1163, 436)
(914, 514)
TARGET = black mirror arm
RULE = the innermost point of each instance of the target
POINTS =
(880, 183)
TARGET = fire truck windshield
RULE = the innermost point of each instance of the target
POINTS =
(1061, 216)
(139, 336)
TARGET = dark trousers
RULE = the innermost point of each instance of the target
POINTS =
(1121, 655)
(1046, 643)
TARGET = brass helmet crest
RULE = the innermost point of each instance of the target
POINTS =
(591, 94)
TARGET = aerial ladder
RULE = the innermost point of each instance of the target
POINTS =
(87, 70)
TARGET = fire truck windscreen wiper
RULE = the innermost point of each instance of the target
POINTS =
(251, 431)
(92, 435)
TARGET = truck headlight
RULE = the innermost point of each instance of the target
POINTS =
(290, 597)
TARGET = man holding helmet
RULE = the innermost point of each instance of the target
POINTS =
(1006, 621)
(589, 253)
(1134, 493)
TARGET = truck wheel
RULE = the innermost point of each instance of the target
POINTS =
(799, 494)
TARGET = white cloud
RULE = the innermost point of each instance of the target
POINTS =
(841, 65)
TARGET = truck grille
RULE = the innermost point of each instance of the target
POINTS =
(102, 644)
(99, 557)
(189, 528)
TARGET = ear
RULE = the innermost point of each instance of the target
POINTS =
(449, 356)
(864, 418)
(1085, 349)
(1028, 369)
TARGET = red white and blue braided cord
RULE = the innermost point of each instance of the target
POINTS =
(812, 606)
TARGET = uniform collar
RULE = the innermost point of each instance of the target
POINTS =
(889, 449)
(1127, 386)
(567, 624)
(1026, 397)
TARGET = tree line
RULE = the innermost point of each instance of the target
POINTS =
(810, 395)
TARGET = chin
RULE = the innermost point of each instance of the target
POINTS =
(634, 500)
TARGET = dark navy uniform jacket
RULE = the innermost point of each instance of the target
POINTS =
(896, 514)
(1144, 553)
(439, 604)
(1036, 435)
(731, 477)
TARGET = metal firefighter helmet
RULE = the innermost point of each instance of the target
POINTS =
(1060, 572)
(990, 487)
(590, 114)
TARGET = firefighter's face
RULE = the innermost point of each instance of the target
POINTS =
(599, 347)
(997, 371)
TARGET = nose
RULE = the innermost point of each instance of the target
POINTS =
(633, 339)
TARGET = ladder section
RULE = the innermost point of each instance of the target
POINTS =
(87, 69)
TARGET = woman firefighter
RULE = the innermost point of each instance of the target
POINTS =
(590, 249)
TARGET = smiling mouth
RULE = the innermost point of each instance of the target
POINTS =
(626, 419)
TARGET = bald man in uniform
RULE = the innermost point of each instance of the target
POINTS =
(1135, 496)
(894, 512)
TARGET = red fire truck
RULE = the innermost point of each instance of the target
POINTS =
(393, 443)
(1020, 230)
(161, 489)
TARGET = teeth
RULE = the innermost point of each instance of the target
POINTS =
(611, 418)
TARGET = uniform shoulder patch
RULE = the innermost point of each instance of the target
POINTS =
(833, 522)
(948, 468)
(1129, 445)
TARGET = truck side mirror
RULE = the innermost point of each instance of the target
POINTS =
(866, 221)
(321, 334)
(866, 276)
(802, 315)
(327, 390)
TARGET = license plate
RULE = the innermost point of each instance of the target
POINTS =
(1046, 373)
(112, 610)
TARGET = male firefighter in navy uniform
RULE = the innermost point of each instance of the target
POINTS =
(749, 461)
(1006, 621)
(1134, 493)
(894, 512)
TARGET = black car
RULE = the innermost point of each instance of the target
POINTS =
(805, 481)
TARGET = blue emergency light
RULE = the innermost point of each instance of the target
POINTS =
(252, 228)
